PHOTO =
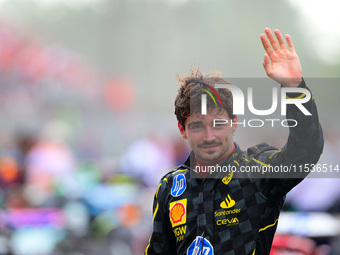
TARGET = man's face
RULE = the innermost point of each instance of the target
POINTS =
(209, 143)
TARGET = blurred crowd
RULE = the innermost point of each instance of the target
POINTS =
(53, 203)
(59, 192)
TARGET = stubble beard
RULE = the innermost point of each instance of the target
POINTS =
(209, 157)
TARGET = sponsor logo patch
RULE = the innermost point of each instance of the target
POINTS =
(180, 232)
(222, 217)
(178, 212)
(228, 203)
(228, 222)
(200, 246)
(227, 212)
(227, 178)
(179, 185)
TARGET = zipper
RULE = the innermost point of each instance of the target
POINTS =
(197, 245)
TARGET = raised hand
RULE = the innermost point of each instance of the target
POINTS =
(282, 64)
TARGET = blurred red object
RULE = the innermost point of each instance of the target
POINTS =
(9, 171)
(119, 94)
(296, 245)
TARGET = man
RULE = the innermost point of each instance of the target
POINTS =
(196, 212)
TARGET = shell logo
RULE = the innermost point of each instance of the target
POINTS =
(178, 212)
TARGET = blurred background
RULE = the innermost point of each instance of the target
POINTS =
(86, 112)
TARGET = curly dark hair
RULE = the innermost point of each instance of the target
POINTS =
(188, 99)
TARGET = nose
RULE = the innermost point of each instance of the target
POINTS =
(209, 134)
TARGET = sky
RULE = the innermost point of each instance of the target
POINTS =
(319, 20)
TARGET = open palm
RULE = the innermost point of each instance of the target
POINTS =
(281, 63)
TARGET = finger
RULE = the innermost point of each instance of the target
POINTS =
(266, 64)
(266, 44)
(290, 43)
(280, 39)
(271, 38)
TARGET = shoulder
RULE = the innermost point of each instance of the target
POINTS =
(261, 154)
(261, 148)
(169, 177)
(172, 184)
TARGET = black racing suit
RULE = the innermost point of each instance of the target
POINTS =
(236, 215)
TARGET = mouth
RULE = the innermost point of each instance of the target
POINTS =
(209, 147)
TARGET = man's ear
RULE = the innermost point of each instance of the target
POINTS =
(182, 131)
(234, 126)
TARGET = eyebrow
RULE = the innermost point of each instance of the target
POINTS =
(195, 123)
